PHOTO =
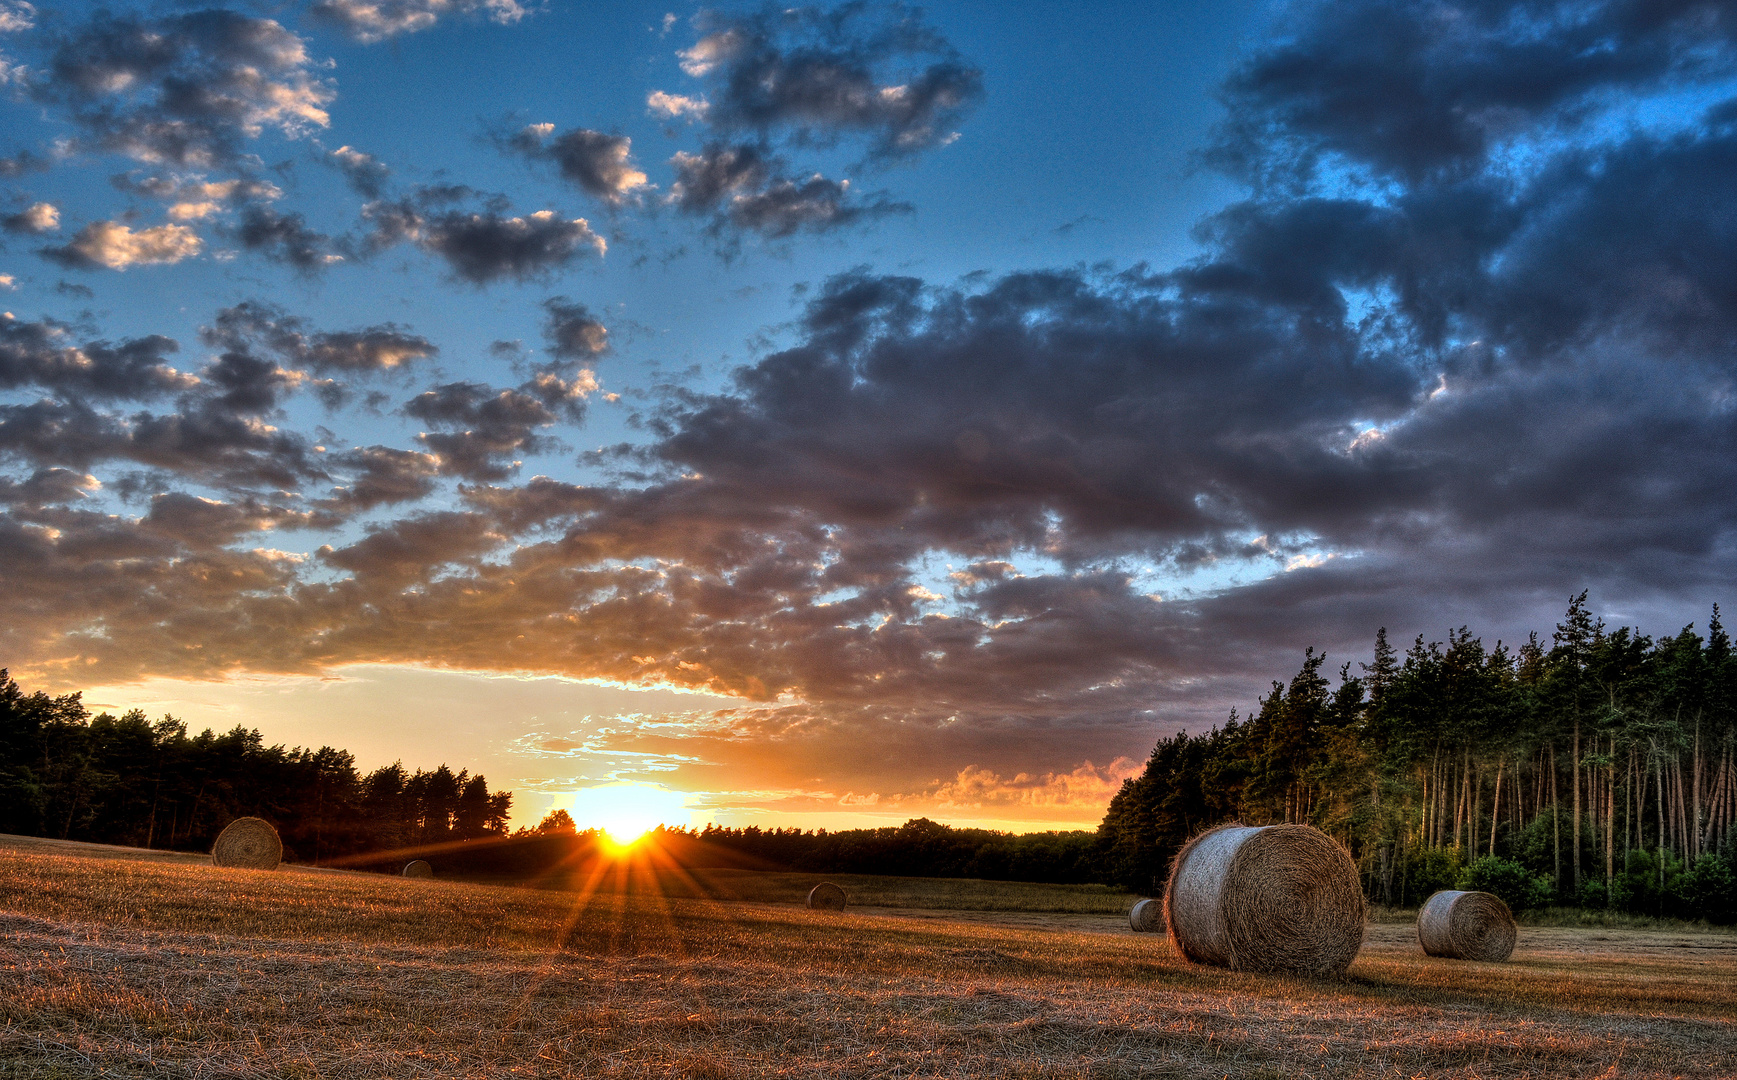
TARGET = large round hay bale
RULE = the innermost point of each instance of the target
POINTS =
(827, 897)
(1146, 916)
(249, 843)
(1466, 926)
(418, 868)
(1274, 898)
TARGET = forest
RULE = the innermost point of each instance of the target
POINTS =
(129, 780)
(1597, 771)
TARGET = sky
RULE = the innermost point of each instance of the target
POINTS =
(841, 414)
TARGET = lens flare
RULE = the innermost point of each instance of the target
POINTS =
(627, 811)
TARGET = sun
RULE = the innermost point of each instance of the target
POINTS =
(627, 811)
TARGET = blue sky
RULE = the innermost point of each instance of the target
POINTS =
(920, 410)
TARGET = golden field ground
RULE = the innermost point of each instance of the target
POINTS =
(122, 963)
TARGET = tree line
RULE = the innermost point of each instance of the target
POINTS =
(918, 848)
(1598, 771)
(129, 780)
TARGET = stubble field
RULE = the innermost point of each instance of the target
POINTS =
(120, 964)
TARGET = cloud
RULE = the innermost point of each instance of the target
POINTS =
(365, 173)
(479, 428)
(37, 218)
(381, 476)
(814, 76)
(1087, 787)
(382, 348)
(184, 90)
(115, 246)
(16, 15)
(203, 442)
(284, 238)
(742, 187)
(599, 165)
(482, 246)
(369, 21)
(195, 199)
(572, 331)
(671, 106)
(779, 81)
(1415, 88)
(48, 486)
(203, 523)
(39, 354)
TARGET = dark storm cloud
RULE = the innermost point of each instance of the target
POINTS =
(814, 76)
(598, 164)
(186, 90)
(980, 414)
(1421, 86)
(41, 354)
(481, 246)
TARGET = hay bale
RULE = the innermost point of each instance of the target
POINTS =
(249, 843)
(418, 869)
(827, 897)
(1466, 926)
(1275, 898)
(1146, 916)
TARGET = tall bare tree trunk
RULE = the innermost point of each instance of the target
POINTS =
(1496, 805)
(1695, 773)
(1659, 768)
(1574, 771)
(1555, 817)
(1610, 826)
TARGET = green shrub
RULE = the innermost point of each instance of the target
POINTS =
(1518, 887)
(1707, 890)
(1428, 871)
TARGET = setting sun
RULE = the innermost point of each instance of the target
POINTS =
(627, 811)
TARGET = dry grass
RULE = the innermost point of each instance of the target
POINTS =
(154, 967)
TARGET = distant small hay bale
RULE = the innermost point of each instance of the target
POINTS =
(1466, 926)
(1273, 898)
(1146, 916)
(248, 843)
(418, 868)
(827, 897)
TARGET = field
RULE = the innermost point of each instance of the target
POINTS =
(116, 963)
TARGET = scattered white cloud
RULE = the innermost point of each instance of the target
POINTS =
(16, 15)
(116, 246)
(674, 105)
